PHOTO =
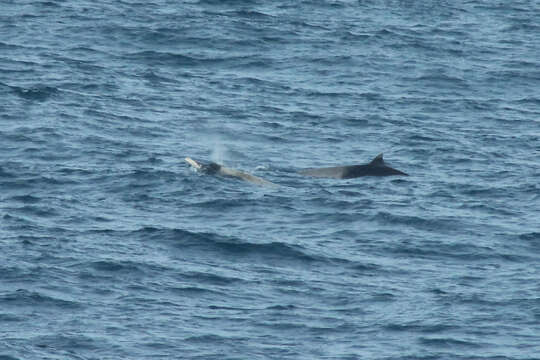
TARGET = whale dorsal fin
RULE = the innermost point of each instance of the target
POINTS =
(378, 160)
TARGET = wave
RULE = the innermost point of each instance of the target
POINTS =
(74, 342)
(533, 236)
(38, 93)
(164, 58)
(27, 199)
(441, 80)
(419, 328)
(35, 299)
(173, 59)
(39, 211)
(6, 174)
(29, 182)
(10, 318)
(209, 278)
(427, 224)
(449, 343)
(204, 245)
(248, 14)
(219, 245)
(8, 357)
(532, 240)
(463, 251)
(115, 266)
(227, 2)
(194, 291)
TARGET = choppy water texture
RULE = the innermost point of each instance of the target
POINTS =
(111, 247)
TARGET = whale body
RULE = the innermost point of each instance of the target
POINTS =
(377, 167)
(213, 168)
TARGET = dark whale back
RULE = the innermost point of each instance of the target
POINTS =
(376, 167)
(210, 168)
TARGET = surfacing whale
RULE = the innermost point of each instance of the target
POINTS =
(213, 168)
(376, 167)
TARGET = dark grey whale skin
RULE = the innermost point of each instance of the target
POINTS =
(376, 167)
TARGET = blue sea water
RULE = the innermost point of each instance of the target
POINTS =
(112, 247)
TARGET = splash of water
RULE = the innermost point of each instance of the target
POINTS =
(219, 153)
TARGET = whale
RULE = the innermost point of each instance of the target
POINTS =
(377, 167)
(213, 168)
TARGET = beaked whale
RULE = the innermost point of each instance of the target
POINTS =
(376, 167)
(213, 168)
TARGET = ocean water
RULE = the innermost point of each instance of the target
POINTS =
(112, 247)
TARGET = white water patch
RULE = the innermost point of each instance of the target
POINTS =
(219, 153)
